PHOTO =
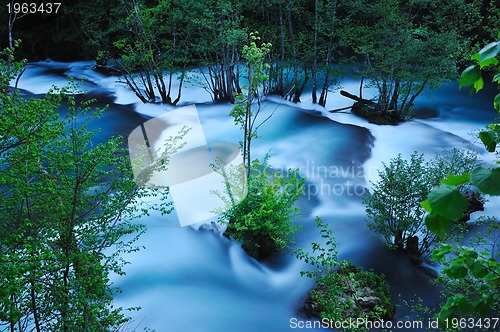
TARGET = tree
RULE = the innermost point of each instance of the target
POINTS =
(464, 291)
(66, 211)
(248, 108)
(218, 36)
(262, 218)
(406, 46)
(478, 271)
(326, 26)
(153, 51)
(393, 207)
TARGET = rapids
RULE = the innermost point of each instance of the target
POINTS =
(193, 279)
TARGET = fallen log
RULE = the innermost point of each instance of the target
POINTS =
(340, 109)
(356, 98)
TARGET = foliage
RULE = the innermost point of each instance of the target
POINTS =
(341, 287)
(476, 270)
(341, 291)
(406, 46)
(242, 112)
(66, 211)
(401, 42)
(218, 38)
(468, 277)
(308, 38)
(152, 52)
(262, 221)
(393, 207)
(326, 260)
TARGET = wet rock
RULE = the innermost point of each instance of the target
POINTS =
(372, 292)
(475, 203)
(412, 249)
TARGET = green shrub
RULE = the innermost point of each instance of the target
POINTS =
(393, 208)
(262, 220)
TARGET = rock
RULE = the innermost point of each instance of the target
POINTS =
(475, 203)
(412, 245)
(352, 302)
(371, 115)
(412, 249)
(368, 302)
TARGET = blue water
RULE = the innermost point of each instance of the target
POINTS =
(190, 279)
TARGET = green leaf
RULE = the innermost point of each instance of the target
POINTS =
(488, 62)
(426, 206)
(456, 180)
(439, 253)
(447, 201)
(484, 307)
(496, 102)
(457, 271)
(479, 84)
(489, 52)
(469, 76)
(488, 138)
(437, 224)
(464, 306)
(496, 78)
(478, 270)
(487, 180)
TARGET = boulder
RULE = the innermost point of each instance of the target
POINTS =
(360, 301)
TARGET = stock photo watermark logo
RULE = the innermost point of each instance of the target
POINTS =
(171, 150)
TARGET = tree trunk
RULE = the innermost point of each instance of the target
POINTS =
(315, 54)
(356, 98)
(399, 241)
(34, 307)
(393, 105)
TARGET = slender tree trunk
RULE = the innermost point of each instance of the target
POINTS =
(293, 93)
(248, 114)
(315, 53)
(34, 307)
(179, 91)
(361, 87)
(415, 95)
(326, 81)
(10, 27)
(280, 86)
(393, 105)
(12, 324)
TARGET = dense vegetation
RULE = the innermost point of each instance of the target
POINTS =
(67, 212)
(473, 272)
(401, 46)
(67, 205)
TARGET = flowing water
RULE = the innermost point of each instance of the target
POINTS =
(193, 279)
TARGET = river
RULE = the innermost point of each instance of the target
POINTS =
(193, 279)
